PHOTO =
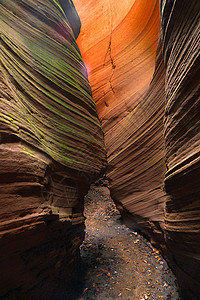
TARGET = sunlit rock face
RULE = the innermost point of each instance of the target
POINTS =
(181, 50)
(118, 44)
(150, 117)
(51, 147)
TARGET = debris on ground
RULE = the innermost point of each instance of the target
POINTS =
(119, 263)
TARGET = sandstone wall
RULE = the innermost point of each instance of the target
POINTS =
(150, 117)
(51, 147)
(130, 101)
(51, 138)
(181, 50)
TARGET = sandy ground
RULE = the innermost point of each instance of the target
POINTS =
(119, 263)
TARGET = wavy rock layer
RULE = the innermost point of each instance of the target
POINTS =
(121, 62)
(51, 146)
(181, 48)
(119, 48)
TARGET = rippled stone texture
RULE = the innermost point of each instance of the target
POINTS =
(121, 61)
(51, 146)
(118, 44)
(181, 50)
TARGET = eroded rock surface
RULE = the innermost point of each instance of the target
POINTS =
(148, 157)
(118, 262)
(181, 49)
(51, 147)
(128, 88)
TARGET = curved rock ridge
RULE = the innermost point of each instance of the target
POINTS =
(147, 156)
(41, 62)
(51, 147)
(137, 186)
(108, 58)
(181, 50)
(121, 63)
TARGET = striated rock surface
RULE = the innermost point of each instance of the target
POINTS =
(133, 92)
(181, 50)
(130, 101)
(51, 147)
(51, 139)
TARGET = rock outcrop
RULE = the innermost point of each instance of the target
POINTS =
(153, 165)
(51, 147)
(130, 101)
(146, 87)
(181, 50)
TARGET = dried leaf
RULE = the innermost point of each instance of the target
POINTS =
(165, 284)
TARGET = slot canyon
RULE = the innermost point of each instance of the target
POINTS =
(90, 90)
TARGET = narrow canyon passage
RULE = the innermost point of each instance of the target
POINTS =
(119, 263)
(90, 88)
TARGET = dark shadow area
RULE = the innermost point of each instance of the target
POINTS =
(118, 262)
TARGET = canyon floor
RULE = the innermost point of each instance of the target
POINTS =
(117, 262)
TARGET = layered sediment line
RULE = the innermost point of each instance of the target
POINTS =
(40, 61)
(150, 117)
(128, 89)
(181, 50)
(51, 146)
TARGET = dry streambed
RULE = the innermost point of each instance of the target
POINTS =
(119, 263)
